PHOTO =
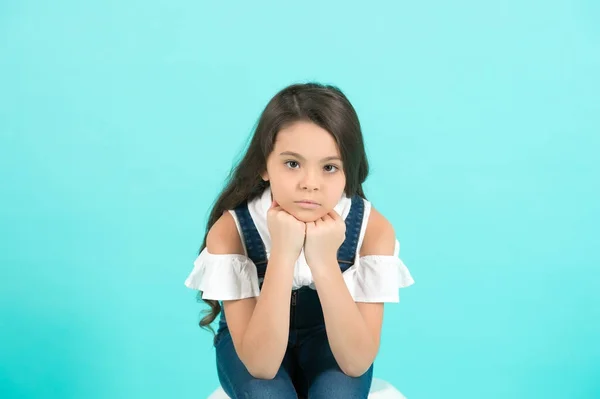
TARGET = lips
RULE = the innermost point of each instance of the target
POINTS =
(308, 202)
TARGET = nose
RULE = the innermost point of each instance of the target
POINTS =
(310, 181)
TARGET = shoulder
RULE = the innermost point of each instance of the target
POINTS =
(380, 237)
(223, 237)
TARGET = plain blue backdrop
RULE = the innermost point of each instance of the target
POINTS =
(119, 121)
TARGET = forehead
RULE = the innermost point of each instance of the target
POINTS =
(307, 139)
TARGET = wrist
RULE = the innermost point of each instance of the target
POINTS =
(283, 257)
(323, 265)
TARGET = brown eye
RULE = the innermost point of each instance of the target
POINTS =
(292, 164)
(330, 168)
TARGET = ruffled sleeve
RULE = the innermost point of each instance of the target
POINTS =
(378, 278)
(223, 277)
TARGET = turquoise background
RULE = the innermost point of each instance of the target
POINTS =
(119, 121)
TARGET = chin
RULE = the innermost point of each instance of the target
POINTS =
(307, 215)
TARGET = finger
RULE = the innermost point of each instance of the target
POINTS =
(334, 215)
(274, 206)
(327, 218)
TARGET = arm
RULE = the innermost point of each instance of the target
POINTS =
(354, 329)
(259, 326)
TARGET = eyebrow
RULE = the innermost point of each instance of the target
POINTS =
(295, 154)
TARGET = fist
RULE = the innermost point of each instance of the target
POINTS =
(323, 239)
(287, 232)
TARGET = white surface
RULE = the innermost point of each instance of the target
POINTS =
(380, 389)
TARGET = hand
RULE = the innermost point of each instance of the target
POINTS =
(323, 239)
(287, 233)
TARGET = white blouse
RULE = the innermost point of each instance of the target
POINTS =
(372, 278)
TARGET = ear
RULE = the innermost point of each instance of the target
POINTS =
(265, 175)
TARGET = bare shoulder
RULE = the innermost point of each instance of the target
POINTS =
(380, 237)
(223, 237)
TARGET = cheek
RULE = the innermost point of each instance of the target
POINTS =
(336, 190)
(280, 190)
(281, 186)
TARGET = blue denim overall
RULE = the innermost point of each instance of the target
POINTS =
(308, 368)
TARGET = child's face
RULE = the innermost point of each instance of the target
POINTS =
(305, 164)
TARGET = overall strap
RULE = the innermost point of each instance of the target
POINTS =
(254, 243)
(354, 220)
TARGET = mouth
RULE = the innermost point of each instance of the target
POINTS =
(307, 204)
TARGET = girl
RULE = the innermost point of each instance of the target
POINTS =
(299, 259)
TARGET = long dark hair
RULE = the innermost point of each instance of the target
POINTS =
(324, 105)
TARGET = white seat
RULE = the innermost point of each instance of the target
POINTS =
(380, 389)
